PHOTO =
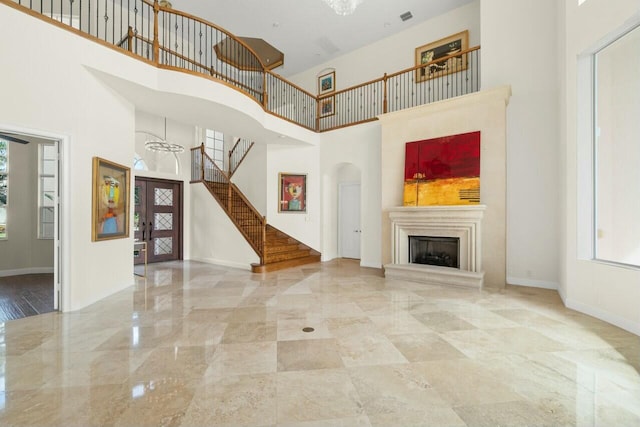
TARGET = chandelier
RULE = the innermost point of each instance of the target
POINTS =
(158, 144)
(343, 7)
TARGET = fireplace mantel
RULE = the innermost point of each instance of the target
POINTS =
(463, 222)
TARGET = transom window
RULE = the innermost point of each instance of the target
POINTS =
(214, 147)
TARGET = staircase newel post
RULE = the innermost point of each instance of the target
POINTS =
(202, 161)
(130, 35)
(156, 42)
(229, 196)
(264, 239)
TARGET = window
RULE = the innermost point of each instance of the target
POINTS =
(4, 187)
(47, 164)
(617, 151)
(214, 147)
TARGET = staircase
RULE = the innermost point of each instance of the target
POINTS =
(276, 249)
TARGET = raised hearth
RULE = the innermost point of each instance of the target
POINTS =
(459, 222)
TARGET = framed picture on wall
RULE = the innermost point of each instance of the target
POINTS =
(327, 106)
(430, 54)
(327, 83)
(110, 201)
(293, 192)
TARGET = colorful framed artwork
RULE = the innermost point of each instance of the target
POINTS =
(443, 171)
(327, 83)
(293, 192)
(110, 201)
(327, 106)
(443, 48)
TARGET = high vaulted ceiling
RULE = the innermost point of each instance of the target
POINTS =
(309, 32)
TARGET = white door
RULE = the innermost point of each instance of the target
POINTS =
(349, 220)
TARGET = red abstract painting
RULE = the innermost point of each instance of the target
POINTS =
(443, 171)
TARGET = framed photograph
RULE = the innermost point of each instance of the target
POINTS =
(327, 83)
(441, 49)
(293, 192)
(110, 200)
(327, 106)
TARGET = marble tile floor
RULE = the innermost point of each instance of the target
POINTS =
(194, 344)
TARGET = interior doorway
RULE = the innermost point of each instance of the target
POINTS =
(30, 223)
(349, 220)
(158, 219)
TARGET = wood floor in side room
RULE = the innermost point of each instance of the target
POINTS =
(25, 295)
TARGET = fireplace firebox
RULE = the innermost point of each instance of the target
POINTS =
(440, 251)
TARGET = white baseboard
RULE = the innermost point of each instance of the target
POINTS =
(224, 263)
(370, 265)
(22, 271)
(606, 316)
(519, 281)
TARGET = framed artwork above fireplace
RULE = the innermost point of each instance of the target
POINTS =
(443, 171)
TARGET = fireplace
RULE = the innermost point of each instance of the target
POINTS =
(437, 245)
(429, 250)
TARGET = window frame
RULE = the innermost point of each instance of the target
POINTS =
(598, 253)
(41, 192)
(216, 154)
(5, 205)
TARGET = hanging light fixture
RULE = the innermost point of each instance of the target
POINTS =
(343, 7)
(161, 145)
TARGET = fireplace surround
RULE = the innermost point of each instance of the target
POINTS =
(456, 222)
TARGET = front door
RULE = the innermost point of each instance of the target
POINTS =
(158, 219)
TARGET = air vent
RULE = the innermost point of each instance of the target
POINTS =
(406, 16)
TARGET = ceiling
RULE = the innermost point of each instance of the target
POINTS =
(309, 32)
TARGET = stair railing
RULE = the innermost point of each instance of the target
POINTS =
(238, 153)
(242, 213)
(170, 39)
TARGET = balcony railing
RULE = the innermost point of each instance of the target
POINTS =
(170, 39)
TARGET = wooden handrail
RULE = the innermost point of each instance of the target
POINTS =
(235, 168)
(435, 61)
(279, 77)
(211, 24)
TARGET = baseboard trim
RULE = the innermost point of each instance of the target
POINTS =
(618, 321)
(370, 265)
(23, 271)
(518, 281)
(224, 263)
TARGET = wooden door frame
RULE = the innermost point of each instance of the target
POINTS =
(180, 207)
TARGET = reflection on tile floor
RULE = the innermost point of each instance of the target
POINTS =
(194, 344)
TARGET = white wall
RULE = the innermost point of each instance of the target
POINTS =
(68, 100)
(23, 252)
(602, 290)
(214, 237)
(517, 51)
(251, 176)
(394, 53)
(297, 159)
(358, 146)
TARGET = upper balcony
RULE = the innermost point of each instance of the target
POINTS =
(169, 39)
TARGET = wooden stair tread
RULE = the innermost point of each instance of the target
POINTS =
(281, 265)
